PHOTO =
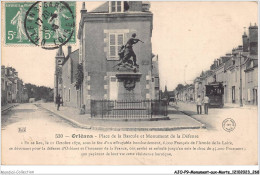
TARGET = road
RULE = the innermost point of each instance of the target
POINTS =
(28, 123)
(19, 116)
(29, 116)
(213, 121)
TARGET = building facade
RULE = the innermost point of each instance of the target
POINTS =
(101, 33)
(237, 71)
(12, 88)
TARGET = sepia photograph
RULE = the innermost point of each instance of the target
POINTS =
(130, 83)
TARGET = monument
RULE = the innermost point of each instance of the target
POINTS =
(128, 72)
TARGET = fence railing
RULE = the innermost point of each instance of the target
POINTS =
(128, 109)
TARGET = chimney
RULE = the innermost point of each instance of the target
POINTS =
(219, 61)
(83, 6)
(135, 6)
(216, 63)
(240, 47)
(245, 42)
(2, 70)
(228, 54)
(253, 40)
(69, 50)
(60, 52)
(146, 6)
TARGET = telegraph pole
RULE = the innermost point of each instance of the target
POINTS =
(240, 88)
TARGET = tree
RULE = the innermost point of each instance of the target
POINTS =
(79, 76)
(165, 93)
(179, 87)
(39, 92)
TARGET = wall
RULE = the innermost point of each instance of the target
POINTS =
(69, 92)
(97, 67)
(251, 86)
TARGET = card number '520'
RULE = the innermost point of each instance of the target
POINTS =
(58, 136)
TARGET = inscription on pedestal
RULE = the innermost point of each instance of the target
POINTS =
(129, 86)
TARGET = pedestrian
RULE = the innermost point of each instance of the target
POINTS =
(206, 104)
(58, 102)
(198, 102)
(61, 101)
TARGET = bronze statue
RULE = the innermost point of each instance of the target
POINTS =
(126, 52)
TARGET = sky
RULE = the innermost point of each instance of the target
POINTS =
(187, 36)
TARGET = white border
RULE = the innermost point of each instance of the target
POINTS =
(129, 169)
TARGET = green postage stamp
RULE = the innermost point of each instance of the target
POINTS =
(14, 22)
(46, 24)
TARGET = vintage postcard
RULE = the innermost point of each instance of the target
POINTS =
(129, 83)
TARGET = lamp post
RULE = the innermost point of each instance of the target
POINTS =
(240, 80)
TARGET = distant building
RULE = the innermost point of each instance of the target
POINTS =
(25, 97)
(11, 86)
(31, 100)
(68, 67)
(3, 86)
(251, 67)
(226, 71)
(155, 80)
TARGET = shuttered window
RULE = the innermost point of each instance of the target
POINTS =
(116, 40)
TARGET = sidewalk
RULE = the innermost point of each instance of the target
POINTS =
(232, 105)
(177, 121)
(192, 106)
(216, 116)
(188, 108)
(8, 107)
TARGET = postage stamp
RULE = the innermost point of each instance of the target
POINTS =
(14, 22)
(58, 22)
(46, 24)
(129, 83)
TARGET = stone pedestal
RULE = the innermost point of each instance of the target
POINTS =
(129, 88)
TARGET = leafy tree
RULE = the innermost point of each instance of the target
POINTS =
(39, 92)
(79, 76)
(179, 87)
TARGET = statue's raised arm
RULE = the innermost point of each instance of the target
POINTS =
(129, 52)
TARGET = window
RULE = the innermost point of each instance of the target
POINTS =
(249, 77)
(65, 97)
(236, 75)
(157, 83)
(69, 95)
(248, 95)
(113, 79)
(116, 6)
(116, 40)
(69, 67)
(113, 88)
